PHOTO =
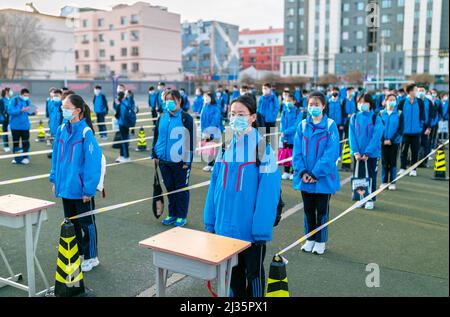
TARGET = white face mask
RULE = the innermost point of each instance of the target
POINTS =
(207, 100)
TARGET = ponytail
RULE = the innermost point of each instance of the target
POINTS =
(87, 116)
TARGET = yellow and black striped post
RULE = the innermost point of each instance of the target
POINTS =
(41, 132)
(440, 166)
(277, 283)
(346, 158)
(142, 142)
(69, 276)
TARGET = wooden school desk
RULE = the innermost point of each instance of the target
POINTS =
(194, 253)
(17, 212)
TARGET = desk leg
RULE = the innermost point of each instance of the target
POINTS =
(161, 281)
(228, 277)
(221, 280)
(36, 239)
(29, 248)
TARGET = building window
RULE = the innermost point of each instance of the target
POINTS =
(112, 58)
(359, 20)
(134, 35)
(360, 6)
(111, 43)
(134, 19)
(346, 7)
(123, 36)
(291, 39)
(124, 67)
(386, 4)
(76, 54)
(124, 51)
(135, 67)
(86, 53)
(101, 22)
(291, 25)
(85, 39)
(345, 35)
(102, 68)
(400, 17)
(252, 51)
(123, 20)
(345, 21)
(359, 35)
(291, 12)
(102, 53)
(385, 18)
(111, 27)
(301, 11)
(85, 23)
(135, 51)
(77, 69)
(101, 37)
(87, 69)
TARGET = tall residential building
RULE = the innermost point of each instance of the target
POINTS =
(210, 50)
(261, 49)
(339, 36)
(61, 62)
(139, 42)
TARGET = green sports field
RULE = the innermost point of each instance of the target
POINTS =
(406, 235)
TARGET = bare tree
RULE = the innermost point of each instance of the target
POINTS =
(22, 44)
(354, 77)
(327, 79)
(424, 79)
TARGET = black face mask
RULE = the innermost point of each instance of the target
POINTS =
(335, 94)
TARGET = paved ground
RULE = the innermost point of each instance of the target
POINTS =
(407, 236)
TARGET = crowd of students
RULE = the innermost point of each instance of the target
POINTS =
(244, 194)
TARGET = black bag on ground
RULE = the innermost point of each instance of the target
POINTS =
(158, 202)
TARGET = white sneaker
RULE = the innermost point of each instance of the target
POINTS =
(88, 265)
(392, 187)
(7, 149)
(207, 168)
(119, 159)
(291, 177)
(370, 205)
(25, 161)
(13, 162)
(285, 176)
(413, 174)
(401, 172)
(125, 160)
(308, 246)
(319, 248)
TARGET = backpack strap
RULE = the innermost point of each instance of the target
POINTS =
(303, 126)
(86, 130)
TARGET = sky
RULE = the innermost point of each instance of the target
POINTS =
(253, 14)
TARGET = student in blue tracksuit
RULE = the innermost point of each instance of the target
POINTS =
(122, 113)
(268, 108)
(444, 115)
(7, 94)
(55, 115)
(401, 95)
(243, 197)
(316, 150)
(186, 102)
(101, 109)
(349, 105)
(437, 103)
(76, 173)
(47, 102)
(366, 131)
(430, 114)
(221, 101)
(391, 140)
(20, 125)
(211, 125)
(235, 94)
(152, 101)
(336, 111)
(413, 110)
(173, 146)
(198, 103)
(298, 96)
(290, 118)
(160, 97)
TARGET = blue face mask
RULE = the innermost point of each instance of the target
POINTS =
(315, 111)
(289, 105)
(239, 124)
(56, 99)
(392, 104)
(25, 98)
(364, 107)
(171, 105)
(421, 95)
(67, 114)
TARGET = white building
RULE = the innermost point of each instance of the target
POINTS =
(61, 63)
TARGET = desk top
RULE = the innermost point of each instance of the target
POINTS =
(14, 205)
(202, 246)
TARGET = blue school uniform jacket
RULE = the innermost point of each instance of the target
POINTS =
(393, 126)
(290, 118)
(76, 161)
(198, 104)
(152, 100)
(268, 108)
(336, 111)
(316, 151)
(413, 116)
(242, 198)
(55, 116)
(18, 120)
(100, 104)
(365, 135)
(211, 121)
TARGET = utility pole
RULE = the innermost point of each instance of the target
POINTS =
(382, 59)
